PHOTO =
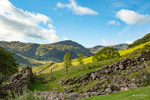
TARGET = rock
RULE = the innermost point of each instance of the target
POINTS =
(145, 64)
(93, 76)
(124, 88)
(16, 76)
(121, 67)
(61, 80)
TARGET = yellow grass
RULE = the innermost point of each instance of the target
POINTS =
(127, 51)
(59, 66)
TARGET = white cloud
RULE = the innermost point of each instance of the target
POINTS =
(65, 38)
(132, 17)
(129, 42)
(51, 26)
(106, 42)
(119, 4)
(19, 25)
(78, 10)
(113, 22)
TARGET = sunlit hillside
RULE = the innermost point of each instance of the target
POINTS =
(59, 66)
(127, 51)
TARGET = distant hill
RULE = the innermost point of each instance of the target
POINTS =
(44, 52)
(145, 39)
(99, 47)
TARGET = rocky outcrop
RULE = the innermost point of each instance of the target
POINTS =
(65, 96)
(17, 83)
(111, 78)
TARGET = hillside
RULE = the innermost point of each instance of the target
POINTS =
(44, 52)
(130, 50)
(145, 39)
(99, 47)
(111, 76)
(88, 60)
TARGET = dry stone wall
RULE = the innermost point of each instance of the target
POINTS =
(17, 82)
(111, 78)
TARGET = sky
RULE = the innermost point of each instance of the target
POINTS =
(88, 22)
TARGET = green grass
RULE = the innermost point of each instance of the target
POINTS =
(75, 71)
(142, 93)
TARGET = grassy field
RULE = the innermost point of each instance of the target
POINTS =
(142, 93)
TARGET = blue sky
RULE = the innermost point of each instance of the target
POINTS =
(88, 22)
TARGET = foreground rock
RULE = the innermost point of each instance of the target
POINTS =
(17, 83)
(66, 96)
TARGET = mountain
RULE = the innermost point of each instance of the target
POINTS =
(145, 39)
(99, 47)
(44, 52)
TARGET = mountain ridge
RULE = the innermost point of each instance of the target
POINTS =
(45, 52)
(99, 47)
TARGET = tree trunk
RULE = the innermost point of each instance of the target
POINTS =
(98, 63)
(83, 66)
(52, 73)
(66, 70)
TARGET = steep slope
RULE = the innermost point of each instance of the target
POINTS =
(145, 39)
(99, 47)
(46, 52)
(129, 50)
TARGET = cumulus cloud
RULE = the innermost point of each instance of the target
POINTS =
(106, 42)
(132, 17)
(113, 22)
(65, 38)
(129, 42)
(78, 10)
(19, 25)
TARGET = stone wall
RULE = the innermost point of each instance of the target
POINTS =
(111, 78)
(17, 82)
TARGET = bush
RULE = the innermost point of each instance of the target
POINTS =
(8, 65)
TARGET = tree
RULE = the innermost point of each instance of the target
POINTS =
(106, 53)
(80, 60)
(8, 65)
(67, 61)
(110, 52)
